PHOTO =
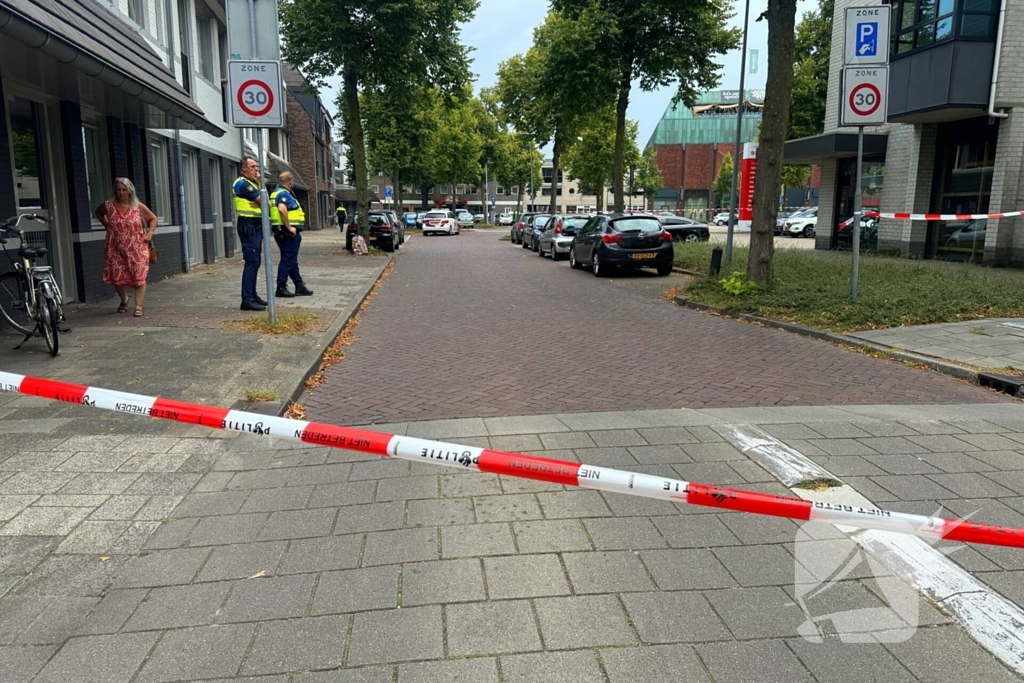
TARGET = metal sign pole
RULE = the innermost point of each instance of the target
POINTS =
(268, 255)
(859, 211)
(733, 200)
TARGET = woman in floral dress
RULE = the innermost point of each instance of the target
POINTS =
(126, 251)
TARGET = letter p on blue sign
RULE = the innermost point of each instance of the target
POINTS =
(867, 38)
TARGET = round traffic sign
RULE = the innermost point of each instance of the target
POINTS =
(865, 99)
(255, 98)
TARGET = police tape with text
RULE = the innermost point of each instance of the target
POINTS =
(513, 464)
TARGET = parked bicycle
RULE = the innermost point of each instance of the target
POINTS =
(30, 299)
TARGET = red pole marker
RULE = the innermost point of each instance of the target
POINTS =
(515, 464)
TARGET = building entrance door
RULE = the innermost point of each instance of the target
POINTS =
(213, 173)
(190, 172)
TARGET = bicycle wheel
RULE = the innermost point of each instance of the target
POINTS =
(48, 325)
(13, 305)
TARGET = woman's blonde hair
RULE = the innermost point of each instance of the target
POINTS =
(133, 199)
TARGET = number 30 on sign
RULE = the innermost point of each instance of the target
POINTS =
(865, 95)
(255, 88)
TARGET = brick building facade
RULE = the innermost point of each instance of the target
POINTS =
(308, 151)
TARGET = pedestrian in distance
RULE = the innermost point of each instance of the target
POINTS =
(246, 189)
(342, 217)
(130, 226)
(287, 221)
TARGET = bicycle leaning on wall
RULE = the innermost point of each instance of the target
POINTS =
(30, 300)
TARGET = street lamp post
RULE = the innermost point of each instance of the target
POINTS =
(736, 149)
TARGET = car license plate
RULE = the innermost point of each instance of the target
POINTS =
(641, 255)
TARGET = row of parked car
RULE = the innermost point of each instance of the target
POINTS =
(607, 242)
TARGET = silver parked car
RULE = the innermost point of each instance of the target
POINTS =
(556, 238)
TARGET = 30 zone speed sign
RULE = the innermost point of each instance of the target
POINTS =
(255, 88)
(865, 95)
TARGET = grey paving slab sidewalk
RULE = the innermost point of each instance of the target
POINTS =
(204, 555)
(990, 343)
(181, 349)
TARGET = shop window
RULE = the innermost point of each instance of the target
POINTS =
(966, 153)
(27, 150)
(161, 185)
(871, 182)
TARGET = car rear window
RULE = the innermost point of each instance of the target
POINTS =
(570, 226)
(541, 221)
(637, 225)
(436, 214)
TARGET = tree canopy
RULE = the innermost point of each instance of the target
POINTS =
(389, 44)
(655, 43)
(812, 52)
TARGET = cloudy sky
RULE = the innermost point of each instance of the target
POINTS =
(501, 28)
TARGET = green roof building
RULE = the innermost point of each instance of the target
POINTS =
(712, 119)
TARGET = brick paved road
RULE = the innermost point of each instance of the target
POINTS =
(471, 326)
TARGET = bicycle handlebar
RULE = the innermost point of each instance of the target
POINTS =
(11, 224)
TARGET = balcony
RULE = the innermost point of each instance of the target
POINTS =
(941, 59)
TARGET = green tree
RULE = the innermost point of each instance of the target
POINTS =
(375, 43)
(647, 176)
(655, 43)
(781, 15)
(591, 160)
(517, 162)
(723, 182)
(793, 176)
(398, 123)
(813, 50)
(455, 148)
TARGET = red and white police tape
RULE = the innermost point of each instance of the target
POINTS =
(935, 216)
(513, 464)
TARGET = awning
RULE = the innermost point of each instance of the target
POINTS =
(78, 32)
(277, 166)
(818, 148)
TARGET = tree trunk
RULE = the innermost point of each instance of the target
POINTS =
(621, 104)
(600, 197)
(556, 152)
(483, 203)
(519, 203)
(775, 114)
(354, 123)
(397, 182)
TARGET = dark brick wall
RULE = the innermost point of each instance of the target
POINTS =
(74, 167)
(171, 256)
(228, 173)
(205, 189)
(209, 248)
(698, 168)
(8, 203)
(89, 271)
(174, 180)
(302, 146)
(670, 162)
(135, 153)
(116, 144)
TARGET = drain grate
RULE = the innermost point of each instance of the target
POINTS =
(1006, 385)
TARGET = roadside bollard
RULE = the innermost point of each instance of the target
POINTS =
(716, 260)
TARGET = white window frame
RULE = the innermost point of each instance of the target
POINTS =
(204, 24)
(460, 189)
(514, 191)
(443, 190)
(160, 159)
(375, 189)
(102, 162)
(140, 12)
(499, 190)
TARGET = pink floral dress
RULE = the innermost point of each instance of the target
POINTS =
(126, 253)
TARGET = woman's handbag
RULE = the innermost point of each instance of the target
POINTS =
(153, 253)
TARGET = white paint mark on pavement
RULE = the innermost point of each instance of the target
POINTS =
(789, 466)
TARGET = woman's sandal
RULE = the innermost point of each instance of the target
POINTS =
(123, 308)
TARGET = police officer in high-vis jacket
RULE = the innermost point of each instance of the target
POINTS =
(250, 231)
(287, 220)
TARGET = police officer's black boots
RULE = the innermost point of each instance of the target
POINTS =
(282, 291)
(258, 300)
(302, 290)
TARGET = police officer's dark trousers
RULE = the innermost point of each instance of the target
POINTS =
(289, 266)
(250, 232)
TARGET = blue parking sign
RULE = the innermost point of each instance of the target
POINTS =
(389, 192)
(867, 38)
